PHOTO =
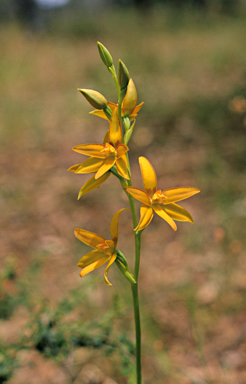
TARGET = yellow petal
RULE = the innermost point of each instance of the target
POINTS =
(137, 108)
(134, 114)
(121, 165)
(106, 137)
(148, 176)
(88, 238)
(99, 113)
(90, 258)
(159, 209)
(176, 194)
(74, 167)
(112, 105)
(90, 165)
(92, 184)
(146, 215)
(111, 261)
(95, 150)
(139, 195)
(178, 213)
(121, 150)
(114, 226)
(115, 131)
(108, 163)
(94, 266)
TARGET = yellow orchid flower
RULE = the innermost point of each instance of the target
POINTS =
(104, 250)
(104, 156)
(158, 201)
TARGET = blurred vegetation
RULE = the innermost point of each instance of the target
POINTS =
(189, 68)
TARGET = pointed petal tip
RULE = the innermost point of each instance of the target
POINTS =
(173, 225)
(108, 283)
(76, 231)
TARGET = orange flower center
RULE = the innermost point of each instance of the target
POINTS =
(103, 246)
(109, 150)
(158, 197)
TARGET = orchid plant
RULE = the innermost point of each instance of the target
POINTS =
(111, 158)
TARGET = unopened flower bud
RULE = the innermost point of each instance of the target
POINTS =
(123, 267)
(130, 100)
(123, 75)
(105, 55)
(95, 98)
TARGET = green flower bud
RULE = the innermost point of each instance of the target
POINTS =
(105, 55)
(95, 98)
(123, 75)
(123, 267)
(128, 128)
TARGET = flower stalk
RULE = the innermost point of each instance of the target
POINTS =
(111, 157)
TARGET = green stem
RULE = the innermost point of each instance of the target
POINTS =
(113, 73)
(135, 298)
(137, 331)
(135, 286)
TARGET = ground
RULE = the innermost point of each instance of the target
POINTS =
(192, 129)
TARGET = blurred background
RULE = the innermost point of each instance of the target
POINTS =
(188, 62)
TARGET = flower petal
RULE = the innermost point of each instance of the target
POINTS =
(92, 184)
(108, 163)
(94, 265)
(99, 113)
(111, 261)
(176, 194)
(139, 195)
(137, 108)
(121, 165)
(106, 137)
(146, 215)
(90, 165)
(88, 238)
(114, 226)
(95, 150)
(121, 150)
(112, 105)
(134, 113)
(115, 131)
(90, 257)
(148, 176)
(178, 213)
(74, 167)
(159, 209)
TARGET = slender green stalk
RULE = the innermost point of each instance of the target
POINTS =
(138, 332)
(113, 73)
(135, 288)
